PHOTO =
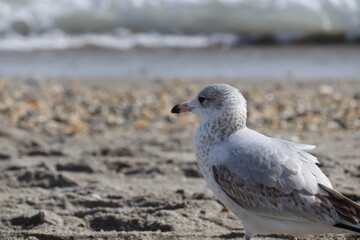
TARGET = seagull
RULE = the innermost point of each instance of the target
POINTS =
(273, 186)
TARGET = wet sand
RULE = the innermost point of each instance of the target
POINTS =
(80, 161)
(267, 62)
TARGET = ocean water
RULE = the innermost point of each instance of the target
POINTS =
(27, 25)
(205, 39)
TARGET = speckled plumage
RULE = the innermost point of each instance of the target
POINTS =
(221, 123)
(272, 185)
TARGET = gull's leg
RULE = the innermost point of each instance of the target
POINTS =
(225, 209)
(292, 238)
(248, 234)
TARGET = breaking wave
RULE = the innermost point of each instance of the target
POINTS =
(123, 24)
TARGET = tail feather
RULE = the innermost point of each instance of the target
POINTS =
(347, 227)
(347, 210)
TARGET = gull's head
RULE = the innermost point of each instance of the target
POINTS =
(215, 101)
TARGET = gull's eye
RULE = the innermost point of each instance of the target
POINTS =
(201, 99)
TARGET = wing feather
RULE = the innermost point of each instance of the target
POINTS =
(348, 210)
(272, 177)
(270, 202)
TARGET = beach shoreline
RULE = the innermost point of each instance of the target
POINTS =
(267, 62)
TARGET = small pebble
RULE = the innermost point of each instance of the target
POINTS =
(58, 109)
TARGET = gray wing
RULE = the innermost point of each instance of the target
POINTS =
(272, 178)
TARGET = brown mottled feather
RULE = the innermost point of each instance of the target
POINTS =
(269, 201)
(346, 208)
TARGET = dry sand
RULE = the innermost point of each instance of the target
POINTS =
(89, 162)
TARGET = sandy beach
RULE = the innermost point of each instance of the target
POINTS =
(84, 161)
(88, 146)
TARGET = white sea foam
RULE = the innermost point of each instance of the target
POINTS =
(50, 24)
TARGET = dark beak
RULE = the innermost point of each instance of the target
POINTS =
(175, 109)
(182, 107)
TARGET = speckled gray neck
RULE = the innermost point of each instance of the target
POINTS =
(222, 111)
(214, 130)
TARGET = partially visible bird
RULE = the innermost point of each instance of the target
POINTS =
(274, 186)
